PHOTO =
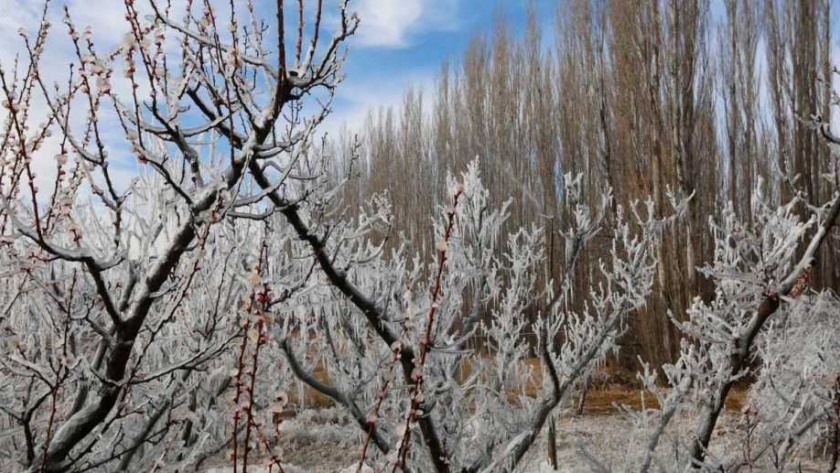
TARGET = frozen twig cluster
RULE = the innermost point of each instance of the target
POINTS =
(763, 326)
(465, 377)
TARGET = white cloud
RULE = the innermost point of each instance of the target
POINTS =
(390, 23)
(361, 97)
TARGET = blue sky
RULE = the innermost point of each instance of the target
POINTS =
(403, 42)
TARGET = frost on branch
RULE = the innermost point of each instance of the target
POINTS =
(477, 409)
(764, 326)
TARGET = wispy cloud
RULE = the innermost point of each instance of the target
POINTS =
(356, 99)
(391, 23)
(379, 74)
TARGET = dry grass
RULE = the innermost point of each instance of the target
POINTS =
(609, 388)
(313, 399)
(604, 400)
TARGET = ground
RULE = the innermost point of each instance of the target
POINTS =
(602, 432)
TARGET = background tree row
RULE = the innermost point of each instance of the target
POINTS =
(710, 98)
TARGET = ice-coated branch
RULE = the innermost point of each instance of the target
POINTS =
(744, 340)
(339, 397)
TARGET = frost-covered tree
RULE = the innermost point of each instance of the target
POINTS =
(764, 325)
(405, 359)
(123, 297)
(158, 320)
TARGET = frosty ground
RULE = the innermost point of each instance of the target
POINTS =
(305, 448)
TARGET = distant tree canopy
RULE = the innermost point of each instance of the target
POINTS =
(705, 98)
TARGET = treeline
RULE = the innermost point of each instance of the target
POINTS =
(650, 97)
